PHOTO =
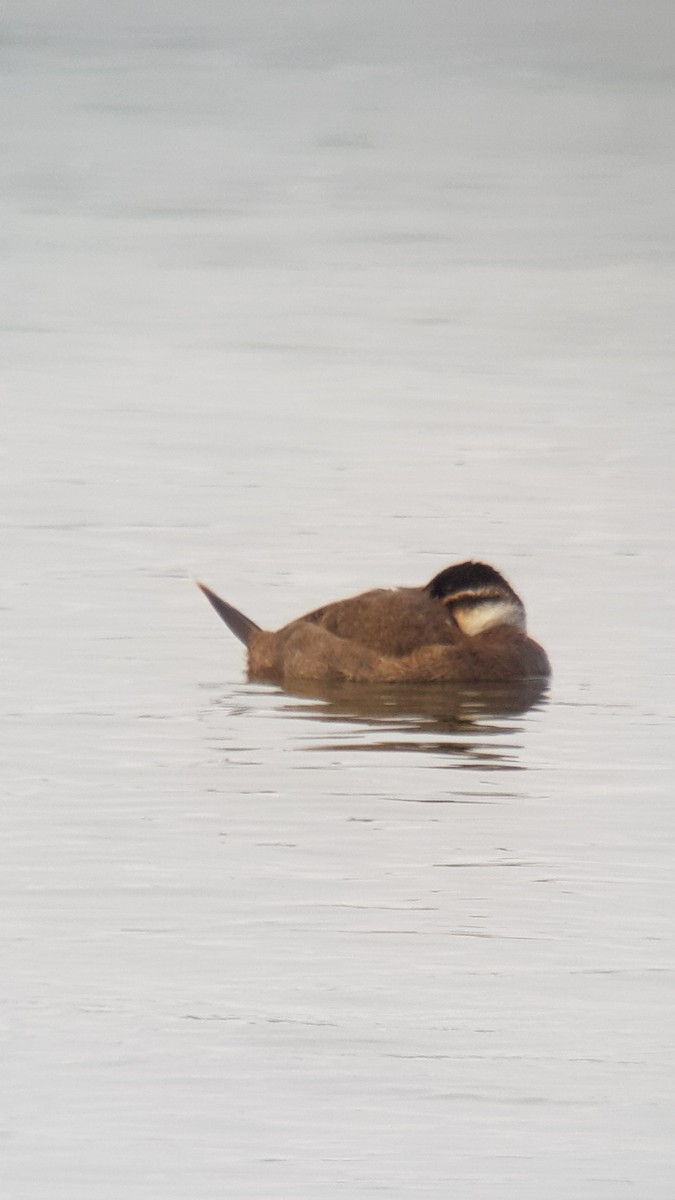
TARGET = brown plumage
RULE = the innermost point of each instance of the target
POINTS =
(466, 625)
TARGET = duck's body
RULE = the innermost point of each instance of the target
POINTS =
(467, 625)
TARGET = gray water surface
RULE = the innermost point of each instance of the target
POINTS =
(302, 303)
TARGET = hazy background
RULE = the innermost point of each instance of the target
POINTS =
(302, 299)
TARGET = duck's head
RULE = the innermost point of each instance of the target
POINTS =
(477, 598)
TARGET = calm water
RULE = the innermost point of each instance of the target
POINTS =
(302, 304)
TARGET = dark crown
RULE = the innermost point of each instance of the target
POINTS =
(475, 577)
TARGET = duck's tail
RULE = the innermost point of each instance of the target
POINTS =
(240, 625)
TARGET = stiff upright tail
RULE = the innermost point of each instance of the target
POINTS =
(240, 625)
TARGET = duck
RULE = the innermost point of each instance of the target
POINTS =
(467, 625)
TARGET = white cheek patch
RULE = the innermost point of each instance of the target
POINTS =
(476, 618)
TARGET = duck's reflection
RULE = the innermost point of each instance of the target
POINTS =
(474, 722)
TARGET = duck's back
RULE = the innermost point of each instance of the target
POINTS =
(393, 622)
